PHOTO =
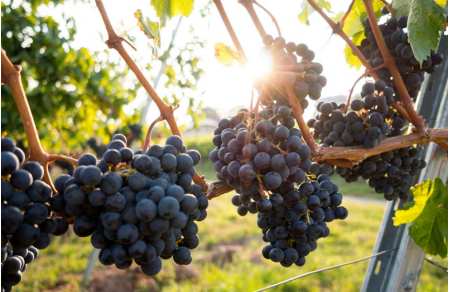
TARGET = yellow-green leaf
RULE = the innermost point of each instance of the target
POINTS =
(225, 54)
(306, 10)
(303, 16)
(421, 194)
(170, 8)
(171, 74)
(150, 28)
(442, 3)
(353, 23)
(428, 217)
(351, 59)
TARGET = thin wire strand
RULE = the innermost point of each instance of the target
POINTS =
(325, 269)
(436, 264)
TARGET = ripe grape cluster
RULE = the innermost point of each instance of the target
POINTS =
(396, 38)
(135, 205)
(372, 118)
(27, 219)
(390, 173)
(296, 58)
(14, 263)
(262, 157)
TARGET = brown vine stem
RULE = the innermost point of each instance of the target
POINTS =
(389, 61)
(248, 4)
(11, 76)
(353, 155)
(297, 111)
(148, 136)
(388, 7)
(115, 42)
(337, 29)
(274, 20)
(349, 156)
(230, 29)
(349, 97)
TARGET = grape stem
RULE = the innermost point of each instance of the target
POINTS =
(248, 4)
(230, 29)
(274, 20)
(349, 97)
(166, 111)
(337, 29)
(297, 111)
(389, 62)
(11, 76)
(148, 136)
(388, 6)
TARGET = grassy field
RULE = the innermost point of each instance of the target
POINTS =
(228, 259)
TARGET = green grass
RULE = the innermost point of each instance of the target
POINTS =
(228, 259)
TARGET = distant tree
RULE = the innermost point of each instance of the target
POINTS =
(73, 96)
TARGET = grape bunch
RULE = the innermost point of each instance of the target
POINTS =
(372, 118)
(135, 132)
(27, 217)
(135, 205)
(390, 173)
(396, 38)
(296, 58)
(262, 157)
(14, 262)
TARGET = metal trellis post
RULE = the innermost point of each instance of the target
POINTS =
(400, 270)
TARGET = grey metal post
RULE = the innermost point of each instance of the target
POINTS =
(400, 270)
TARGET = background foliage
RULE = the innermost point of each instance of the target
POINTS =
(71, 93)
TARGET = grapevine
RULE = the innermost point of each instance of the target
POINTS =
(141, 206)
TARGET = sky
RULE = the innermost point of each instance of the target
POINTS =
(222, 87)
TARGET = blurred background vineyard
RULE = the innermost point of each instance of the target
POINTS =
(80, 94)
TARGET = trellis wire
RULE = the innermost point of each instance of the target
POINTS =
(355, 261)
(436, 264)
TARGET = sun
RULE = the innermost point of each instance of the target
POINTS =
(258, 66)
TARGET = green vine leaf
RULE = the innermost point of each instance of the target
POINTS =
(307, 10)
(401, 7)
(351, 59)
(353, 27)
(150, 28)
(428, 217)
(354, 21)
(167, 9)
(425, 22)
